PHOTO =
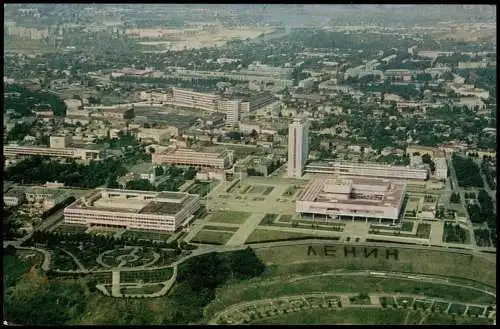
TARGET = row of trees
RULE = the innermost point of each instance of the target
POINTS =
(467, 172)
(455, 197)
(199, 277)
(453, 233)
(38, 170)
(28, 100)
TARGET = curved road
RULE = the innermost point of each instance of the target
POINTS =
(209, 249)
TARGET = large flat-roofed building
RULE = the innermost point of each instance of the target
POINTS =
(188, 157)
(188, 98)
(120, 112)
(165, 211)
(368, 169)
(298, 147)
(354, 197)
(75, 153)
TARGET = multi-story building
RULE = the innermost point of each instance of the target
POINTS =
(188, 157)
(165, 211)
(188, 98)
(232, 110)
(60, 142)
(367, 169)
(13, 197)
(441, 169)
(46, 197)
(472, 65)
(75, 153)
(112, 112)
(352, 197)
(298, 147)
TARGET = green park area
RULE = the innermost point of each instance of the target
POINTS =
(233, 217)
(146, 235)
(220, 228)
(209, 284)
(263, 235)
(141, 289)
(212, 237)
(201, 188)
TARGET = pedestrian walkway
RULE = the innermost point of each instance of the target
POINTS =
(115, 285)
(240, 236)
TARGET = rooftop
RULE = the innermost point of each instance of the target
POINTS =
(163, 208)
(354, 190)
(131, 201)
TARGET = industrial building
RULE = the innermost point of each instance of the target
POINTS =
(298, 147)
(367, 169)
(188, 157)
(165, 211)
(352, 197)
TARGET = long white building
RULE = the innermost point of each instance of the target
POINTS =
(367, 169)
(298, 147)
(193, 99)
(165, 211)
(75, 153)
(188, 157)
(354, 197)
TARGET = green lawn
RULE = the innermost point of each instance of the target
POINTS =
(201, 188)
(407, 226)
(441, 319)
(257, 189)
(458, 309)
(146, 276)
(149, 289)
(341, 316)
(211, 237)
(423, 230)
(268, 219)
(290, 191)
(268, 190)
(220, 228)
(262, 235)
(285, 218)
(70, 228)
(234, 217)
(146, 235)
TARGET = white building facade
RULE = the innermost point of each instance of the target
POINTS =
(298, 147)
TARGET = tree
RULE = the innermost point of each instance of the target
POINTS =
(190, 173)
(234, 135)
(140, 184)
(455, 198)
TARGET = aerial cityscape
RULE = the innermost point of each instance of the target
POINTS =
(249, 164)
